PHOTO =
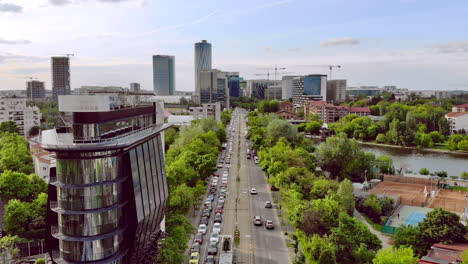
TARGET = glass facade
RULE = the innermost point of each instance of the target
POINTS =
(202, 61)
(312, 85)
(234, 86)
(164, 74)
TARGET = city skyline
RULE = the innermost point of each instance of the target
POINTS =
(380, 44)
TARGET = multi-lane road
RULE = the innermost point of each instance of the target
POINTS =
(257, 245)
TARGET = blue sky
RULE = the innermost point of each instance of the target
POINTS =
(416, 44)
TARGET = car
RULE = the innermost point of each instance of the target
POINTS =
(253, 191)
(269, 224)
(210, 259)
(202, 229)
(194, 258)
(209, 207)
(212, 190)
(257, 220)
(195, 247)
(218, 218)
(198, 238)
(214, 238)
(223, 185)
(220, 165)
(224, 181)
(256, 161)
(204, 220)
(268, 204)
(274, 188)
(227, 165)
(213, 249)
(219, 209)
(221, 200)
(215, 174)
(206, 213)
(217, 228)
(210, 196)
(225, 173)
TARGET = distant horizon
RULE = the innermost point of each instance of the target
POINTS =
(385, 43)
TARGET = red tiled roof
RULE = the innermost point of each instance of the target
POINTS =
(286, 103)
(359, 109)
(455, 114)
(461, 247)
(284, 111)
(460, 106)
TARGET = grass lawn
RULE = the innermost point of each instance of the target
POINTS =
(459, 188)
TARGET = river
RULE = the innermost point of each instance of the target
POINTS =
(413, 160)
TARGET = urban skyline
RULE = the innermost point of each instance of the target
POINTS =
(379, 45)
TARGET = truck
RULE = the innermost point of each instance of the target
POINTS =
(227, 254)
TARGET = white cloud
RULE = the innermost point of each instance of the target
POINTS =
(6, 7)
(459, 46)
(13, 42)
(346, 41)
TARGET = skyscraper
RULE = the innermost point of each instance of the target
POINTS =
(135, 87)
(336, 91)
(35, 90)
(287, 87)
(60, 76)
(163, 74)
(202, 61)
(234, 84)
(109, 190)
(214, 87)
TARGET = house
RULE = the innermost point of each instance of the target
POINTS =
(460, 108)
(286, 114)
(287, 106)
(330, 113)
(458, 122)
(444, 254)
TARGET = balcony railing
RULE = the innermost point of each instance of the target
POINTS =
(53, 204)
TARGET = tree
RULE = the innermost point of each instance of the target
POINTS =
(322, 187)
(226, 116)
(381, 138)
(320, 250)
(424, 171)
(15, 185)
(385, 164)
(463, 145)
(442, 174)
(9, 245)
(281, 128)
(408, 236)
(464, 175)
(183, 101)
(373, 207)
(437, 137)
(8, 126)
(345, 196)
(40, 261)
(34, 131)
(170, 136)
(17, 215)
(402, 255)
(268, 106)
(423, 140)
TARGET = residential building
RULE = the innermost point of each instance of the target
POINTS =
(35, 90)
(234, 84)
(287, 106)
(172, 99)
(458, 122)
(309, 87)
(287, 87)
(60, 76)
(183, 93)
(336, 91)
(273, 92)
(330, 113)
(460, 108)
(445, 254)
(207, 110)
(164, 74)
(202, 61)
(135, 87)
(108, 192)
(25, 117)
(43, 160)
(286, 114)
(214, 87)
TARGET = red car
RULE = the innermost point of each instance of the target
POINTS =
(216, 174)
(198, 238)
(223, 185)
(219, 209)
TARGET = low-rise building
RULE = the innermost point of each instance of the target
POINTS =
(287, 106)
(207, 110)
(444, 254)
(43, 160)
(460, 108)
(330, 113)
(458, 122)
(286, 114)
(25, 117)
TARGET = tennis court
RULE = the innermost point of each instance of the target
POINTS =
(408, 215)
(449, 200)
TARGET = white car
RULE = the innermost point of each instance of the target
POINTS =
(202, 229)
(221, 200)
(217, 228)
(253, 191)
(214, 237)
(224, 181)
(227, 165)
(225, 173)
(220, 165)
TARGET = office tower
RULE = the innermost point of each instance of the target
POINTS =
(243, 88)
(311, 87)
(202, 61)
(273, 92)
(287, 87)
(35, 90)
(60, 76)
(214, 87)
(336, 91)
(258, 87)
(234, 84)
(135, 87)
(109, 190)
(163, 74)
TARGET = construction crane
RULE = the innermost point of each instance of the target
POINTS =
(330, 67)
(275, 69)
(66, 54)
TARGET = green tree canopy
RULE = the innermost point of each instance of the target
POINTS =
(8, 126)
(402, 255)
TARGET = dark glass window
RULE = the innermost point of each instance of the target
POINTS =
(149, 175)
(136, 185)
(144, 185)
(154, 172)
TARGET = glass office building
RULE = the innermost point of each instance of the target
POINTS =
(202, 61)
(108, 192)
(164, 74)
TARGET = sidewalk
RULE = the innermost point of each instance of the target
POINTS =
(384, 238)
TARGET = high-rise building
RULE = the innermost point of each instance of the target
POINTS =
(107, 195)
(336, 91)
(258, 87)
(311, 87)
(135, 87)
(35, 90)
(287, 87)
(25, 117)
(214, 87)
(273, 92)
(234, 84)
(60, 76)
(163, 74)
(202, 61)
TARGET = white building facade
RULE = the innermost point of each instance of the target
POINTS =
(458, 122)
(25, 117)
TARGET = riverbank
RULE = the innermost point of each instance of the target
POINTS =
(445, 151)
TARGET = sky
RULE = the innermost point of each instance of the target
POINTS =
(415, 44)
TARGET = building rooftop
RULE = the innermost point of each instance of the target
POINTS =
(461, 106)
(359, 109)
(455, 114)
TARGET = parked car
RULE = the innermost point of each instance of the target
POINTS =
(213, 248)
(198, 238)
(210, 259)
(211, 197)
(206, 213)
(202, 229)
(204, 220)
(214, 238)
(257, 220)
(195, 247)
(253, 191)
(194, 258)
(220, 165)
(215, 174)
(217, 218)
(219, 209)
(209, 207)
(213, 190)
(269, 224)
(217, 227)
(220, 200)
(268, 204)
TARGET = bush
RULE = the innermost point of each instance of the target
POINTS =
(424, 171)
(381, 138)
(40, 261)
(464, 175)
(442, 174)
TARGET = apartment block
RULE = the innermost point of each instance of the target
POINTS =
(25, 117)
